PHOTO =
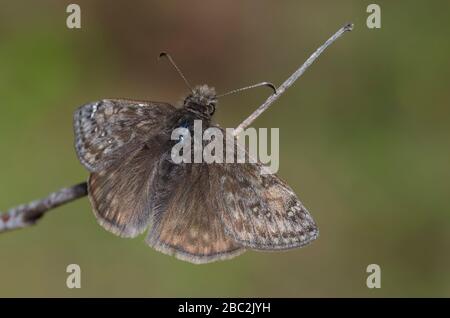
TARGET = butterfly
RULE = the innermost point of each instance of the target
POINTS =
(197, 212)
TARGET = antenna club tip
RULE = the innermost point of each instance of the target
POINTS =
(162, 54)
(349, 26)
(268, 84)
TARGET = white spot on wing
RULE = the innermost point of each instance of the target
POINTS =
(94, 110)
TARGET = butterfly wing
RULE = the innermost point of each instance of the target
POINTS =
(260, 211)
(121, 194)
(215, 211)
(185, 221)
(120, 142)
(109, 129)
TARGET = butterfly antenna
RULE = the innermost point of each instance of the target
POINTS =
(267, 84)
(165, 54)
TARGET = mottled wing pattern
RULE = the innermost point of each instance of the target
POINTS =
(120, 194)
(260, 211)
(109, 129)
(120, 142)
(186, 223)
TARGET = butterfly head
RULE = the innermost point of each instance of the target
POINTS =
(202, 101)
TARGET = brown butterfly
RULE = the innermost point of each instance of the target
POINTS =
(198, 212)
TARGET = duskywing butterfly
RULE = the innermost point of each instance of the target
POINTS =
(198, 212)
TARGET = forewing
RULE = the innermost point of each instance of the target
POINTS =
(107, 130)
(260, 211)
(186, 223)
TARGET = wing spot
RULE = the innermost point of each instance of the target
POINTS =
(109, 110)
(94, 110)
(193, 233)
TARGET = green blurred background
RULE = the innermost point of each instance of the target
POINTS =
(364, 139)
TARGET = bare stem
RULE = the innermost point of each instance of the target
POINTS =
(28, 214)
(299, 72)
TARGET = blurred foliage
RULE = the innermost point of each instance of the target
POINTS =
(364, 139)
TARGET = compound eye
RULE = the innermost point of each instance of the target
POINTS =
(211, 108)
